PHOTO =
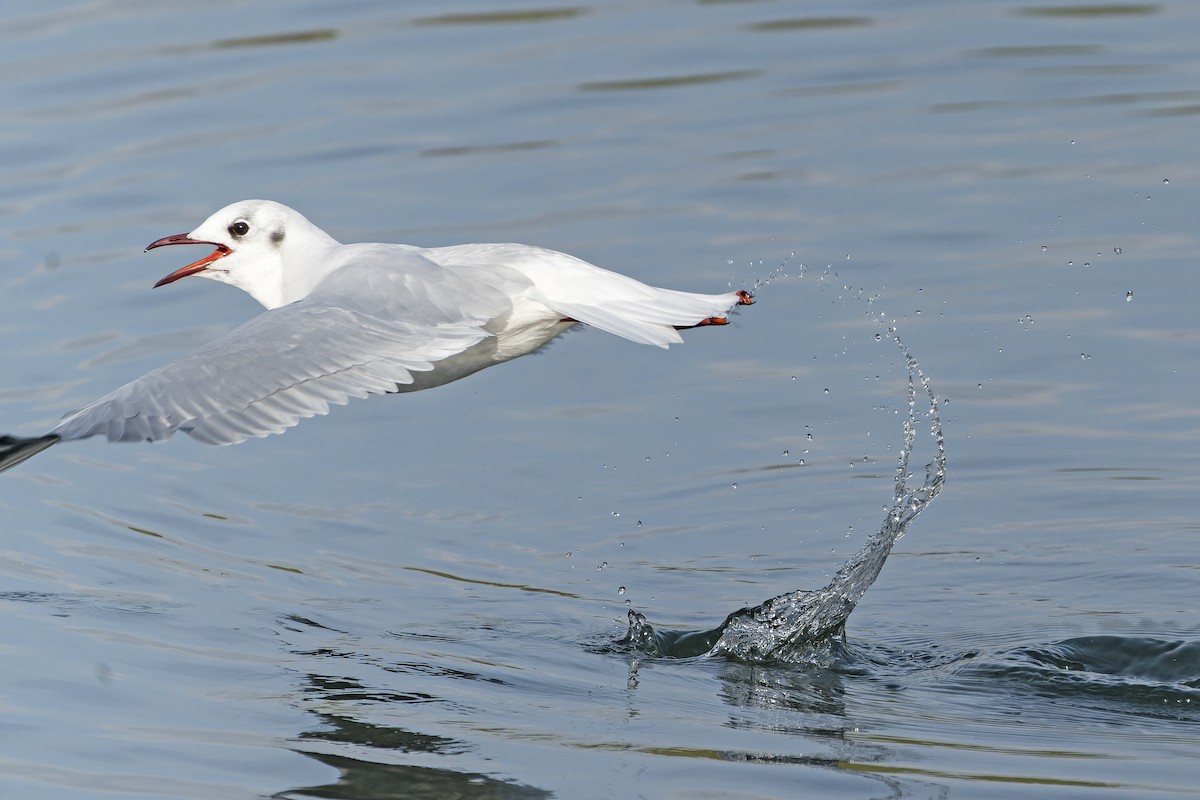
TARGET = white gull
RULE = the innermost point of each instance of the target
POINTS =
(350, 320)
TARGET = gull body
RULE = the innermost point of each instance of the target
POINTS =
(349, 320)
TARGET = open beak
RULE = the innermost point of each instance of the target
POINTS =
(195, 266)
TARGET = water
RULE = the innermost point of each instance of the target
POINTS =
(421, 595)
(799, 625)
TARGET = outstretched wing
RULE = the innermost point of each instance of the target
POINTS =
(284, 365)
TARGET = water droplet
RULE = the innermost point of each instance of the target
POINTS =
(1128, 296)
(826, 391)
(616, 513)
(1117, 250)
(1085, 356)
(1166, 181)
(620, 590)
(1087, 263)
(785, 452)
(647, 458)
(735, 485)
(808, 436)
(602, 565)
(1044, 248)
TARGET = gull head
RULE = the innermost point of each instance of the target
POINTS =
(262, 247)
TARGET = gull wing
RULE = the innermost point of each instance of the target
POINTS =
(263, 377)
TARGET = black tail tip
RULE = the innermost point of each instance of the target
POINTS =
(15, 449)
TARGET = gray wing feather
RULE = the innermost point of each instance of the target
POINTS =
(265, 376)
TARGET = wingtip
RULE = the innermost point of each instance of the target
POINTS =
(15, 449)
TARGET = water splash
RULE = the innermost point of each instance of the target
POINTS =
(808, 625)
(780, 272)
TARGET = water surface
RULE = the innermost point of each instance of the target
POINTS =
(421, 595)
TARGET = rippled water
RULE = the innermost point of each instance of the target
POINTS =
(422, 596)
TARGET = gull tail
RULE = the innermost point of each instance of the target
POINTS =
(744, 298)
(14, 449)
(650, 315)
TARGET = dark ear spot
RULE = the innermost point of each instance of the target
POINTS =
(277, 236)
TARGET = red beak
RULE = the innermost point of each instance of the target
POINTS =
(195, 266)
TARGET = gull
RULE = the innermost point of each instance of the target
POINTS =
(349, 320)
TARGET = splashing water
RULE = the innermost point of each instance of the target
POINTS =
(805, 625)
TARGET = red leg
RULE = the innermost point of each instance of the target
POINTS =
(703, 322)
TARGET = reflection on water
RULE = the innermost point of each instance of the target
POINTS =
(364, 755)
(668, 82)
(299, 37)
(503, 17)
(370, 776)
(365, 779)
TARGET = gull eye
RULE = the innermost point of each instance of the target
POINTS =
(239, 228)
